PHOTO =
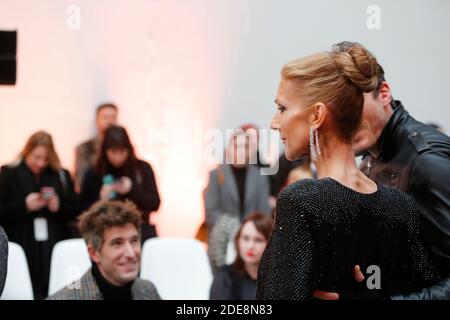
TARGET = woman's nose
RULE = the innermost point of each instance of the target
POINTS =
(274, 125)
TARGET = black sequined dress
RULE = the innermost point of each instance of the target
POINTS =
(323, 229)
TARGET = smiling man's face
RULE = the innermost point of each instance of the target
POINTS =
(120, 255)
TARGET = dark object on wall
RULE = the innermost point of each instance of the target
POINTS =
(8, 49)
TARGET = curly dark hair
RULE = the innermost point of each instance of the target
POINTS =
(106, 214)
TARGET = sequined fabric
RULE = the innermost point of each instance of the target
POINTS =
(323, 229)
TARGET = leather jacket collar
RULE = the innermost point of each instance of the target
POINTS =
(392, 136)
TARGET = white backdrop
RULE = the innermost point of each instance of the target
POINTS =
(175, 66)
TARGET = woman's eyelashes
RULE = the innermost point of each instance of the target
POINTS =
(281, 108)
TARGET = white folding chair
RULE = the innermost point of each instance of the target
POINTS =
(70, 260)
(179, 268)
(18, 282)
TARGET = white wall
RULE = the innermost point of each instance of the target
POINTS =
(172, 65)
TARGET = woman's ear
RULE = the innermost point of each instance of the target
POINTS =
(318, 115)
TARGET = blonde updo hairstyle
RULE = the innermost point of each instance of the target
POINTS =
(338, 80)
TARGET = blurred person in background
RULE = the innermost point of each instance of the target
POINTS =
(37, 200)
(86, 153)
(119, 175)
(235, 189)
(237, 281)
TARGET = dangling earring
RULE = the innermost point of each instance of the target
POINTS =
(317, 143)
(312, 147)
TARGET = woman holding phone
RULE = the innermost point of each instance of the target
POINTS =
(37, 200)
(119, 175)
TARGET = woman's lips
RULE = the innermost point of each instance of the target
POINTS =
(250, 254)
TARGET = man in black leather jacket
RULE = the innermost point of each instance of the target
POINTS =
(406, 154)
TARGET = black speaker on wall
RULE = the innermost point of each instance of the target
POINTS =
(8, 64)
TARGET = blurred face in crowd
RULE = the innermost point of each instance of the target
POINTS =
(117, 157)
(119, 257)
(106, 116)
(251, 244)
(292, 120)
(37, 159)
(242, 149)
(376, 114)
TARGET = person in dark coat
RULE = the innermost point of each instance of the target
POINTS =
(119, 175)
(37, 200)
(3, 259)
(238, 280)
(86, 152)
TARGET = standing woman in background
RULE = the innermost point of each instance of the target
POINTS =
(235, 189)
(37, 200)
(119, 175)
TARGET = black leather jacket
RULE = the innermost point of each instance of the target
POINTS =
(415, 158)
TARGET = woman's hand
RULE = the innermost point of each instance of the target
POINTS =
(105, 192)
(324, 295)
(34, 202)
(124, 185)
(53, 203)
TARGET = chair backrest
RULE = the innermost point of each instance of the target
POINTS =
(18, 282)
(179, 268)
(70, 260)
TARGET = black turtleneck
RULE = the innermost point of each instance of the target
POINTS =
(240, 175)
(108, 290)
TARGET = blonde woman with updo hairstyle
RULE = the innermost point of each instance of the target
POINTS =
(324, 227)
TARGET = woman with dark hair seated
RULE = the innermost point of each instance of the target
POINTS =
(238, 280)
(119, 175)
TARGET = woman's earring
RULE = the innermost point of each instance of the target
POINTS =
(312, 147)
(317, 143)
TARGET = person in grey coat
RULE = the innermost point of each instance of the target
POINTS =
(235, 189)
(111, 231)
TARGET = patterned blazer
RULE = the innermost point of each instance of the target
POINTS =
(86, 289)
(3, 259)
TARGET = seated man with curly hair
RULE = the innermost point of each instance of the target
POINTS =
(111, 230)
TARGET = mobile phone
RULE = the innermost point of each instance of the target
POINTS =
(47, 192)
